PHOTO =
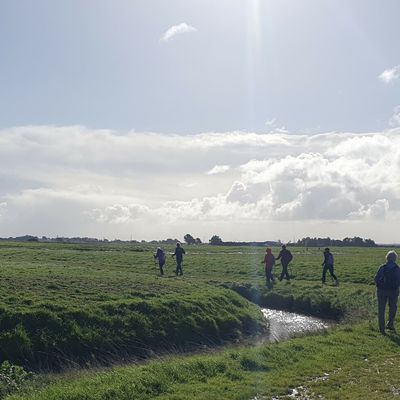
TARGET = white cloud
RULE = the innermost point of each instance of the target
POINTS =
(281, 129)
(274, 128)
(271, 122)
(389, 75)
(177, 30)
(118, 213)
(395, 119)
(218, 169)
(102, 183)
(379, 209)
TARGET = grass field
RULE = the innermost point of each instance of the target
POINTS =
(65, 305)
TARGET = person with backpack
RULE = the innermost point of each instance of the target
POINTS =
(387, 281)
(179, 252)
(328, 266)
(285, 256)
(269, 261)
(160, 255)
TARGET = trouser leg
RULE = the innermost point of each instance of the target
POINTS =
(382, 298)
(392, 307)
(268, 275)
(324, 273)
(161, 269)
(330, 267)
(284, 272)
(179, 268)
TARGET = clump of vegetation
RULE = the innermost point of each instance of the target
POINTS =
(13, 379)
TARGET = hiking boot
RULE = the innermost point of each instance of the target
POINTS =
(337, 282)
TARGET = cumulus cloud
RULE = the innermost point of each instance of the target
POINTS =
(118, 213)
(391, 74)
(218, 169)
(103, 183)
(175, 30)
(379, 209)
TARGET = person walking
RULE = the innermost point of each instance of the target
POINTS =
(387, 281)
(285, 256)
(178, 254)
(160, 256)
(328, 266)
(269, 261)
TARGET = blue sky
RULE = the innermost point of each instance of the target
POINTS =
(251, 119)
(310, 65)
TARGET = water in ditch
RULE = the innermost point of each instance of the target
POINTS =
(284, 325)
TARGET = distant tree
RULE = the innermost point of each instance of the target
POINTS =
(198, 241)
(370, 243)
(189, 239)
(215, 240)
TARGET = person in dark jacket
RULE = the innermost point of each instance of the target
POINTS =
(269, 261)
(328, 266)
(387, 281)
(285, 256)
(179, 252)
(160, 256)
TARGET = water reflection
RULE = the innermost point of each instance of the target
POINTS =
(284, 325)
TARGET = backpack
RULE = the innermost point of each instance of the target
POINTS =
(387, 279)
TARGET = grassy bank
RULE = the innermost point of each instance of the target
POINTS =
(353, 302)
(328, 365)
(50, 336)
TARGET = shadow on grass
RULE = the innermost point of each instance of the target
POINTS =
(395, 338)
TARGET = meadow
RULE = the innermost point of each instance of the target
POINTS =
(78, 308)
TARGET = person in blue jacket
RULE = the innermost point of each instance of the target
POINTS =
(328, 266)
(178, 254)
(160, 256)
(387, 281)
(285, 256)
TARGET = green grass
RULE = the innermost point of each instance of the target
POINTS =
(67, 304)
(64, 305)
(343, 357)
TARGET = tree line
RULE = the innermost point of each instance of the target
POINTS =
(355, 241)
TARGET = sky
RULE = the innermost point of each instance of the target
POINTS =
(250, 119)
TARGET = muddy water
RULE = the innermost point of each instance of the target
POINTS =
(284, 325)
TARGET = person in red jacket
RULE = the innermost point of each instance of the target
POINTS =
(269, 261)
